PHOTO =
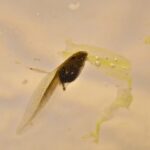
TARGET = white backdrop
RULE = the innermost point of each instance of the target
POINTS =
(33, 32)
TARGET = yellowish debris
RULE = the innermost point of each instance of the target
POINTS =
(147, 40)
(114, 66)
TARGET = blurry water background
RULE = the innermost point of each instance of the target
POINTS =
(33, 32)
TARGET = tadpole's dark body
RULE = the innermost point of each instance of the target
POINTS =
(72, 67)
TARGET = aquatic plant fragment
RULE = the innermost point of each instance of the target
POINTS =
(114, 66)
(67, 72)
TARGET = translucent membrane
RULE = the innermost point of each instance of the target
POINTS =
(114, 66)
(39, 99)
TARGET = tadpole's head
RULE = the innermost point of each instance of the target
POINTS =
(72, 67)
(78, 57)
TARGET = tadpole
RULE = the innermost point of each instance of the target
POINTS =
(67, 72)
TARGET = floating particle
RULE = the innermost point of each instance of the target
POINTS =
(25, 81)
(17, 62)
(38, 70)
(74, 5)
(36, 59)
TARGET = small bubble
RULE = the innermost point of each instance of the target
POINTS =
(96, 57)
(97, 62)
(112, 65)
(115, 59)
(66, 72)
(72, 73)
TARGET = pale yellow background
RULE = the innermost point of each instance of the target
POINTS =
(37, 29)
